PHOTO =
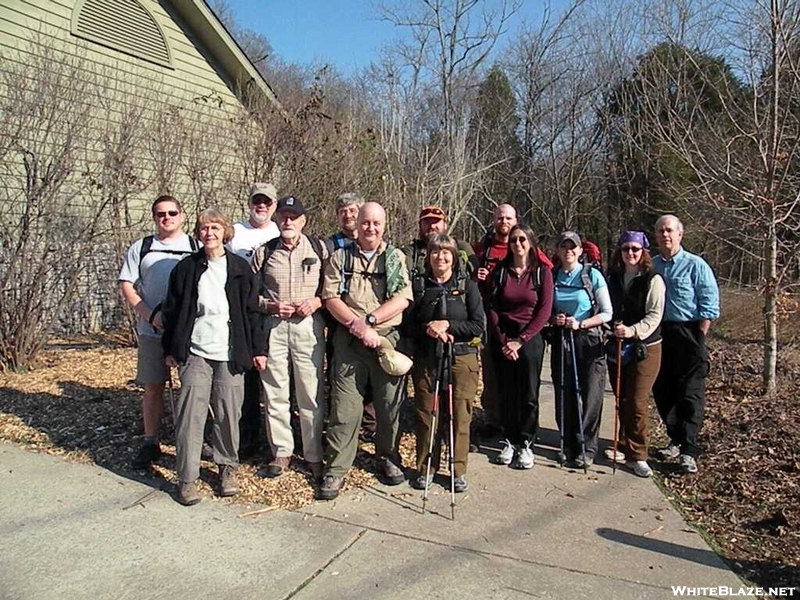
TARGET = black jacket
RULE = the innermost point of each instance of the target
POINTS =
(179, 310)
(464, 310)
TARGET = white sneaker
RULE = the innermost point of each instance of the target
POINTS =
(525, 457)
(640, 468)
(506, 454)
(619, 457)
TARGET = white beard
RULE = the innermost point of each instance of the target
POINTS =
(258, 218)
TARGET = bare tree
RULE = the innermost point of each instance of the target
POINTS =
(47, 227)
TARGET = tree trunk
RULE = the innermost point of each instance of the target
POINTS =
(770, 313)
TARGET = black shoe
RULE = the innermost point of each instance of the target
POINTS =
(148, 454)
(420, 482)
(366, 436)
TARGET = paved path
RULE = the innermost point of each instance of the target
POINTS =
(545, 533)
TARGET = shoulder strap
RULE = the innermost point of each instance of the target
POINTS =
(586, 281)
(147, 243)
(194, 244)
(346, 271)
(316, 244)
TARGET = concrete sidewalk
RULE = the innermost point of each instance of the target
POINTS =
(544, 533)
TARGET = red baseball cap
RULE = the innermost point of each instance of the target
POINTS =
(432, 212)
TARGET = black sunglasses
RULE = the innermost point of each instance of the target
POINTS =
(163, 213)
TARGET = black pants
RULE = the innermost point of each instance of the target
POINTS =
(518, 389)
(590, 358)
(250, 440)
(680, 389)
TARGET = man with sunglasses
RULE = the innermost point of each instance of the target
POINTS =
(248, 236)
(692, 303)
(143, 282)
(259, 228)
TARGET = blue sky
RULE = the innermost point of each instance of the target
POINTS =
(346, 33)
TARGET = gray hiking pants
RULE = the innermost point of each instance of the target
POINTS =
(206, 381)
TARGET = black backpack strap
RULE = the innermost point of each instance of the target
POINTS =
(316, 245)
(194, 244)
(346, 271)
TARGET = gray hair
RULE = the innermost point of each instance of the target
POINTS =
(347, 199)
(663, 218)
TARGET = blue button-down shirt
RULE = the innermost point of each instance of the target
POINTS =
(692, 291)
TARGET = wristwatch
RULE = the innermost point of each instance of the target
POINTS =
(371, 320)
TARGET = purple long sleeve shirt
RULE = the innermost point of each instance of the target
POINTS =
(518, 307)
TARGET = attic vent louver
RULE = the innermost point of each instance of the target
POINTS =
(124, 25)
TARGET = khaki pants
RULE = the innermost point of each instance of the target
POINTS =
(465, 388)
(206, 381)
(297, 345)
(355, 370)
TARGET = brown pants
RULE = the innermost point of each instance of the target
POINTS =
(465, 388)
(637, 381)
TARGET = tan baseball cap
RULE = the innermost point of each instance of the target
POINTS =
(264, 189)
(393, 362)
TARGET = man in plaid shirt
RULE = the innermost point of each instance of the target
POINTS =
(290, 271)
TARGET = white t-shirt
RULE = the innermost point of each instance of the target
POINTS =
(211, 333)
(247, 239)
(155, 268)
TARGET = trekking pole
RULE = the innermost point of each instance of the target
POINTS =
(578, 399)
(172, 400)
(562, 363)
(434, 411)
(617, 392)
(449, 366)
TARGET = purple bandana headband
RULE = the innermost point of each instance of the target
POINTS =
(637, 237)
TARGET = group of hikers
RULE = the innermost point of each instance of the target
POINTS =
(253, 313)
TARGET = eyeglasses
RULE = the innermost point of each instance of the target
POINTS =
(519, 240)
(163, 213)
(634, 249)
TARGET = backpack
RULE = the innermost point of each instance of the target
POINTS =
(348, 268)
(500, 276)
(460, 269)
(592, 256)
(271, 246)
(147, 243)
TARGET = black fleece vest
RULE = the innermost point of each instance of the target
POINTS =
(630, 308)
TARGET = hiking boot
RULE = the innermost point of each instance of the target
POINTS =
(525, 457)
(619, 457)
(148, 453)
(473, 448)
(669, 451)
(187, 493)
(316, 470)
(420, 482)
(228, 486)
(367, 436)
(688, 463)
(277, 466)
(392, 473)
(330, 488)
(640, 468)
(460, 484)
(506, 453)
